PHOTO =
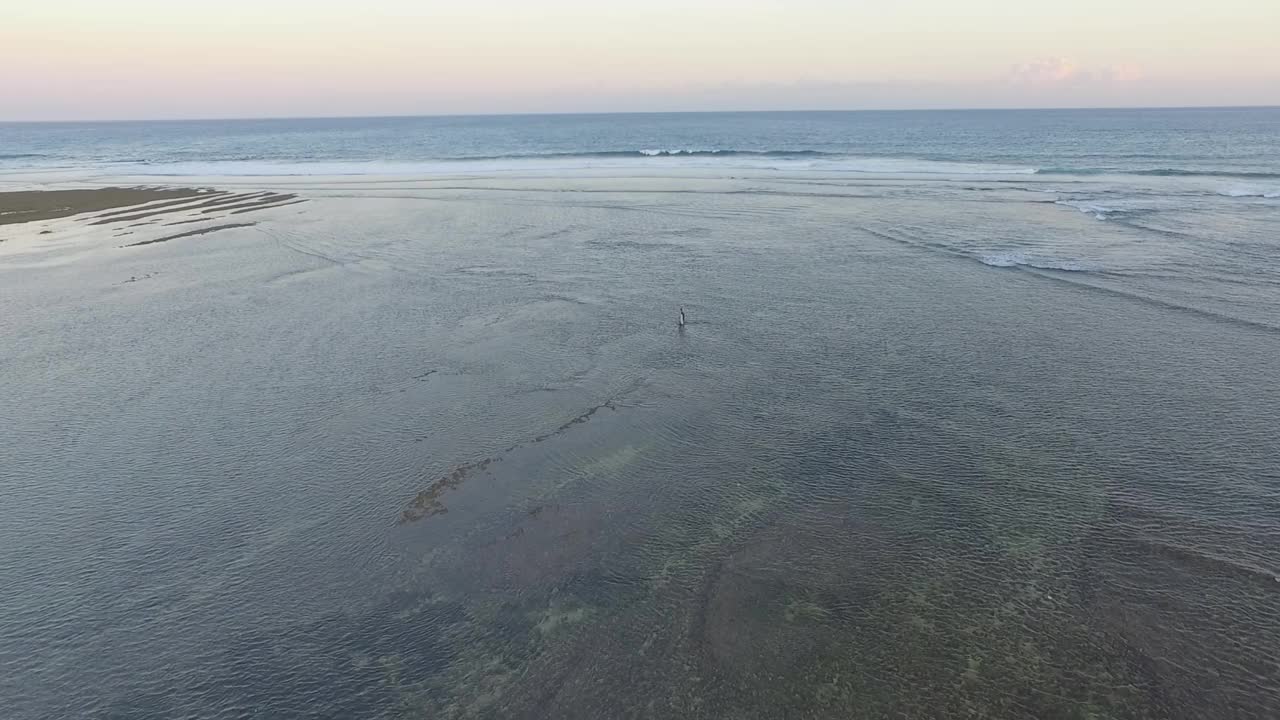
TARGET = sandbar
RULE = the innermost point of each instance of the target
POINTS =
(33, 205)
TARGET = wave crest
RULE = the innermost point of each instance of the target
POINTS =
(651, 153)
(728, 153)
(1019, 259)
(1101, 212)
(1245, 192)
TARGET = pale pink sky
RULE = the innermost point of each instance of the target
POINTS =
(82, 59)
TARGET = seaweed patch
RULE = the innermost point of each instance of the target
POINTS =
(428, 503)
(203, 231)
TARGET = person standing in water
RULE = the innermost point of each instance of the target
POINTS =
(681, 321)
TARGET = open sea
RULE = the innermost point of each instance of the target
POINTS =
(976, 415)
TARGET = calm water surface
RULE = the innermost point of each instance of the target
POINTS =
(959, 427)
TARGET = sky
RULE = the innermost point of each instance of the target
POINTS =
(142, 59)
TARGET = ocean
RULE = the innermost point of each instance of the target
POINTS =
(976, 415)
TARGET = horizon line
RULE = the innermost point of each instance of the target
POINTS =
(637, 112)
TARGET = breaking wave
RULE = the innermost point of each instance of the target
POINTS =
(1244, 192)
(1101, 212)
(1018, 259)
(655, 153)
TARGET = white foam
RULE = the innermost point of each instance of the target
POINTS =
(1241, 191)
(675, 152)
(1017, 259)
(1098, 211)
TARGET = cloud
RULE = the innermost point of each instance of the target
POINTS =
(1050, 71)
(1125, 73)
(1065, 72)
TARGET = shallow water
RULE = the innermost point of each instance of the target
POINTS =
(927, 448)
